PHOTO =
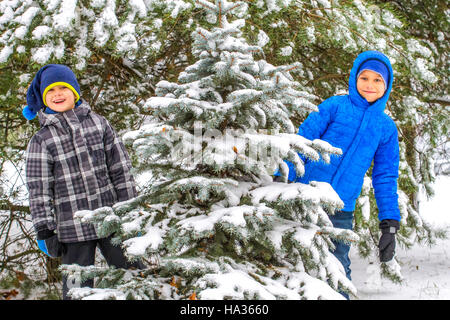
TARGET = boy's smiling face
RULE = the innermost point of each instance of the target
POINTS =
(370, 85)
(60, 98)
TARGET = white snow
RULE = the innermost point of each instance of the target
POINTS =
(62, 21)
(5, 53)
(28, 16)
(40, 32)
(286, 51)
(315, 192)
(425, 270)
(139, 6)
(263, 38)
(137, 246)
(42, 54)
(235, 284)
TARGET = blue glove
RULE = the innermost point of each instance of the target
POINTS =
(43, 247)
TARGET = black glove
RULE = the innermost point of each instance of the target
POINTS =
(49, 244)
(278, 179)
(386, 245)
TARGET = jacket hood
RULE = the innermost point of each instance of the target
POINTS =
(46, 119)
(356, 98)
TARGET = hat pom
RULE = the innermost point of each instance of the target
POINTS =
(28, 113)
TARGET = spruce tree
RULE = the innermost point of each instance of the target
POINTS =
(211, 223)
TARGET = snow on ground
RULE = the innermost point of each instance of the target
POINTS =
(426, 270)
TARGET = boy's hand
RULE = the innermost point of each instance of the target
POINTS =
(48, 243)
(386, 245)
(278, 179)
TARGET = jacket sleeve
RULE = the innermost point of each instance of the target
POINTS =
(313, 128)
(317, 122)
(119, 164)
(40, 184)
(385, 175)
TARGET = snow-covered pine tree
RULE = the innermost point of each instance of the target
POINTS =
(210, 222)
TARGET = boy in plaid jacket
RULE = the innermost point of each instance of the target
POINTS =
(76, 161)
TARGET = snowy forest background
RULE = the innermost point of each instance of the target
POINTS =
(141, 64)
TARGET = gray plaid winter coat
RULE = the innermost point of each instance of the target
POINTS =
(76, 161)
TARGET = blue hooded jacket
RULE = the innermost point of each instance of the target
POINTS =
(364, 133)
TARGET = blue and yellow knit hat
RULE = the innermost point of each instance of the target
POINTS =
(46, 78)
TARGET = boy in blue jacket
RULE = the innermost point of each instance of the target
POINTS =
(357, 124)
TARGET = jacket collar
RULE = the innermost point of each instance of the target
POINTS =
(80, 113)
(355, 97)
